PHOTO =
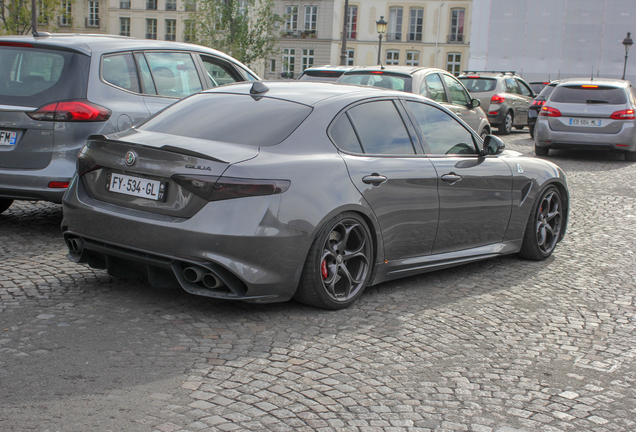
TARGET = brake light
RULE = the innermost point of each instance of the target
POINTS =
(474, 76)
(497, 99)
(71, 111)
(550, 112)
(627, 114)
(538, 102)
(377, 72)
(212, 188)
(589, 86)
(16, 44)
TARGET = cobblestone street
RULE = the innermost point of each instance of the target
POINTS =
(503, 345)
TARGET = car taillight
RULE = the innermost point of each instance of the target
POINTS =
(538, 102)
(84, 162)
(550, 112)
(627, 114)
(497, 99)
(213, 188)
(71, 111)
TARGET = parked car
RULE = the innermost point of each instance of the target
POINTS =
(588, 114)
(505, 96)
(537, 103)
(330, 189)
(323, 73)
(433, 83)
(57, 90)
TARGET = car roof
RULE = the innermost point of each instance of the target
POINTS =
(592, 81)
(307, 92)
(406, 70)
(90, 44)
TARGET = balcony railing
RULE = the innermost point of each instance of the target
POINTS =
(91, 22)
(308, 34)
(171, 37)
(455, 38)
(171, 6)
(151, 35)
(124, 5)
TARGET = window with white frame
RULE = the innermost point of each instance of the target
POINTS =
(392, 57)
(307, 58)
(457, 25)
(453, 63)
(289, 62)
(394, 32)
(311, 18)
(352, 22)
(171, 29)
(272, 65)
(350, 56)
(93, 14)
(151, 28)
(124, 26)
(412, 58)
(65, 8)
(416, 23)
(291, 14)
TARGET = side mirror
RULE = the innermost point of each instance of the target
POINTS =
(475, 102)
(493, 145)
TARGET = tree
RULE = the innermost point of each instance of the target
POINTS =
(243, 29)
(15, 15)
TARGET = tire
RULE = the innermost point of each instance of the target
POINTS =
(541, 151)
(5, 204)
(544, 226)
(506, 127)
(531, 130)
(629, 157)
(339, 263)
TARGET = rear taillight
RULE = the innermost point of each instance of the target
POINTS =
(212, 188)
(84, 162)
(538, 102)
(550, 112)
(17, 44)
(71, 111)
(627, 114)
(497, 99)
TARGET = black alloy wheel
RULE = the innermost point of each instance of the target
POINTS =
(338, 267)
(544, 226)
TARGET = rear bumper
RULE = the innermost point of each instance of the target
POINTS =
(624, 140)
(239, 242)
(33, 185)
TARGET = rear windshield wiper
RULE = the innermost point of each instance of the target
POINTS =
(593, 101)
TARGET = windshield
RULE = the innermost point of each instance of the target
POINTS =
(231, 118)
(589, 93)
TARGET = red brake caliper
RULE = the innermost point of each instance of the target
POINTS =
(323, 269)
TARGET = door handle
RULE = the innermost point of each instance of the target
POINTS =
(374, 179)
(451, 178)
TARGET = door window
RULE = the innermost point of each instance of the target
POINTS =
(456, 90)
(523, 88)
(435, 88)
(442, 133)
(119, 70)
(174, 73)
(381, 129)
(512, 86)
(218, 73)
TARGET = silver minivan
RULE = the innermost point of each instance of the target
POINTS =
(588, 114)
(57, 90)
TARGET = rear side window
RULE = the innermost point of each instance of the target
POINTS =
(218, 72)
(119, 70)
(344, 136)
(34, 77)
(476, 85)
(591, 94)
(381, 129)
(232, 118)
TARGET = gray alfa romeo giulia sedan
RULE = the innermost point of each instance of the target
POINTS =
(268, 191)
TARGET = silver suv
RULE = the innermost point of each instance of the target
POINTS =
(505, 97)
(588, 114)
(55, 91)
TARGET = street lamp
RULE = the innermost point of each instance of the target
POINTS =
(628, 42)
(381, 28)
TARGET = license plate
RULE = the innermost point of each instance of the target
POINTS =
(584, 122)
(136, 186)
(8, 138)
